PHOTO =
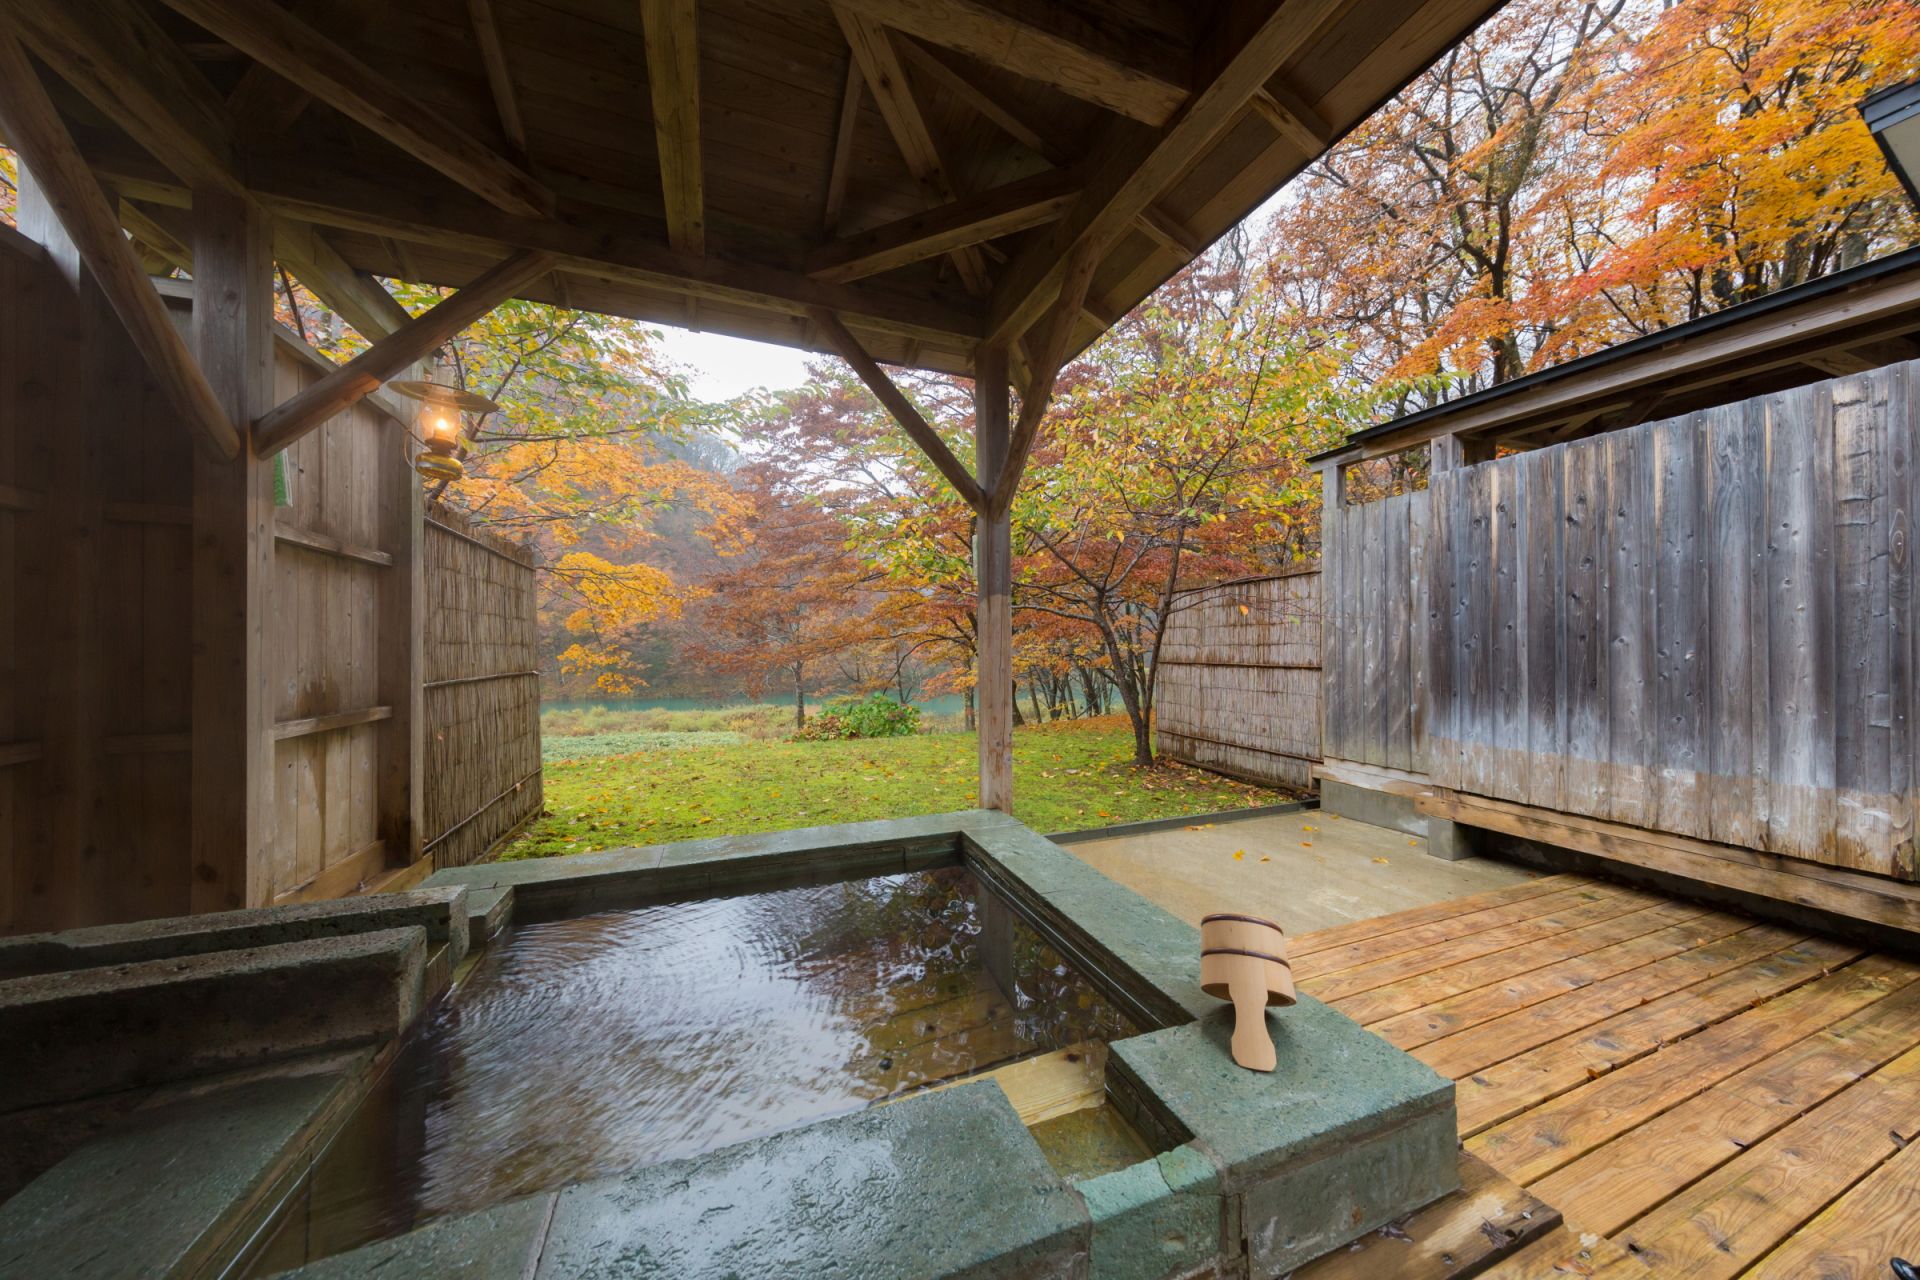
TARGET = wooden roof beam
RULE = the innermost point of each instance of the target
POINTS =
(1129, 179)
(1016, 206)
(673, 80)
(1133, 75)
(358, 298)
(493, 55)
(1292, 118)
(883, 388)
(282, 42)
(132, 71)
(836, 199)
(1039, 395)
(937, 68)
(880, 66)
(35, 130)
(412, 341)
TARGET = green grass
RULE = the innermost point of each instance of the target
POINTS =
(1073, 774)
(592, 746)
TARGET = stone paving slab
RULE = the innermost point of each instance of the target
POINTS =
(947, 1184)
(92, 1031)
(437, 910)
(165, 1191)
(500, 1243)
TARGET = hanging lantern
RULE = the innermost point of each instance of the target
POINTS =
(440, 410)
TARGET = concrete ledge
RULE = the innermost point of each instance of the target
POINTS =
(72, 1035)
(1375, 808)
(435, 910)
(1152, 825)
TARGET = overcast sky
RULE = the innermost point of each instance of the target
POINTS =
(720, 368)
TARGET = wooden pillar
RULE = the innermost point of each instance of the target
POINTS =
(63, 884)
(232, 771)
(993, 581)
(1451, 452)
(398, 793)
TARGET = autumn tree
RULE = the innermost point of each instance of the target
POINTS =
(788, 603)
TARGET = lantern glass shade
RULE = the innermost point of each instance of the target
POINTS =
(440, 410)
(1894, 117)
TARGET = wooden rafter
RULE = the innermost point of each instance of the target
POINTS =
(880, 66)
(263, 105)
(1016, 206)
(1293, 118)
(160, 240)
(37, 133)
(1039, 394)
(282, 42)
(493, 55)
(841, 162)
(1097, 62)
(410, 342)
(1127, 180)
(1168, 231)
(673, 81)
(356, 296)
(916, 427)
(937, 67)
(127, 67)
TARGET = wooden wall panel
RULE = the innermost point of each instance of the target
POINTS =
(1702, 625)
(1238, 685)
(1375, 621)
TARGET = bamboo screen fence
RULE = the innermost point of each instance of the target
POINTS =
(482, 689)
(1238, 686)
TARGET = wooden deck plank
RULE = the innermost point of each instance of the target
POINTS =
(1487, 1219)
(1341, 935)
(1744, 1210)
(1497, 1092)
(1856, 1235)
(1425, 989)
(1469, 946)
(1384, 946)
(1559, 1130)
(1609, 1187)
(1567, 1255)
(1470, 1008)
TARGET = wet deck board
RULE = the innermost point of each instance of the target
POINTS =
(1673, 1089)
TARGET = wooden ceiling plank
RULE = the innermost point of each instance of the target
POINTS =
(493, 54)
(125, 65)
(836, 200)
(1034, 402)
(317, 64)
(1016, 206)
(36, 131)
(936, 67)
(1137, 76)
(358, 298)
(836, 336)
(880, 66)
(1130, 178)
(411, 342)
(673, 81)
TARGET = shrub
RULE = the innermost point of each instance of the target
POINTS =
(876, 716)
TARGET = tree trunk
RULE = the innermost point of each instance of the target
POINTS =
(1033, 696)
(967, 702)
(1014, 701)
(799, 699)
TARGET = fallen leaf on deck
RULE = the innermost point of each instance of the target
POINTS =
(1239, 855)
(1380, 860)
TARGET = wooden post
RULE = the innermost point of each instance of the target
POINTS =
(232, 770)
(993, 580)
(399, 793)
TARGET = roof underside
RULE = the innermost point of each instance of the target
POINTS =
(1011, 132)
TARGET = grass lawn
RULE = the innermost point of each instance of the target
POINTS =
(1068, 775)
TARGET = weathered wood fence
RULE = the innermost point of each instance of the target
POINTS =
(1702, 626)
(482, 689)
(1238, 685)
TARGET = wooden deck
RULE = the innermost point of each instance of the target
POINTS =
(1647, 1086)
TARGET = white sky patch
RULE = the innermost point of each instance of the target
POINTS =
(719, 367)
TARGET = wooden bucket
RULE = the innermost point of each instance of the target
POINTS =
(1244, 959)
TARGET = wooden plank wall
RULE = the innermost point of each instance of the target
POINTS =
(1373, 556)
(96, 486)
(1238, 685)
(1703, 626)
(482, 689)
